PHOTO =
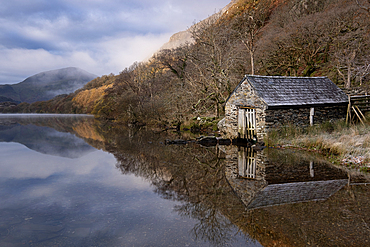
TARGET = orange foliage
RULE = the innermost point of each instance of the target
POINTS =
(87, 98)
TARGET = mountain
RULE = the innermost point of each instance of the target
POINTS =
(46, 85)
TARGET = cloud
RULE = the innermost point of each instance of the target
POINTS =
(99, 36)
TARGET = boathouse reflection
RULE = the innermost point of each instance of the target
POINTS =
(275, 177)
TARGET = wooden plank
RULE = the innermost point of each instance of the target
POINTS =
(251, 163)
(312, 113)
(254, 123)
(360, 97)
(358, 115)
(251, 123)
(360, 103)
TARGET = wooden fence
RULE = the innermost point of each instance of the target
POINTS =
(357, 107)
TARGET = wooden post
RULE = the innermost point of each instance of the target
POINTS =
(241, 123)
(312, 171)
(348, 117)
(312, 113)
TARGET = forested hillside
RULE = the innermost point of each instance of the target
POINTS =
(266, 37)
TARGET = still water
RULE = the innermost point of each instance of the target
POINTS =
(71, 181)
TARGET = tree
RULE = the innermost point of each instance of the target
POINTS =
(363, 70)
(299, 48)
(350, 41)
(248, 25)
(212, 61)
(175, 60)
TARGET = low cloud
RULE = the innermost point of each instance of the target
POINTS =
(101, 37)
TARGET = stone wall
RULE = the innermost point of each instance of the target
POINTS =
(301, 116)
(244, 96)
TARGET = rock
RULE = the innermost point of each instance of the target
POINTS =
(221, 125)
(175, 142)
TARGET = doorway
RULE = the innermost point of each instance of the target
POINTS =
(247, 123)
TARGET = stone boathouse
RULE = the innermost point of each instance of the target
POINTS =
(259, 103)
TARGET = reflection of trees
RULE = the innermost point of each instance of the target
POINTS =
(212, 226)
(61, 123)
(196, 177)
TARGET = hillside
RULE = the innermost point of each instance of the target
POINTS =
(46, 85)
(266, 37)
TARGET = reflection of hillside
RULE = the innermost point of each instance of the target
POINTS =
(197, 177)
(48, 135)
(88, 131)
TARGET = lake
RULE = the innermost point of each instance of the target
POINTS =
(69, 180)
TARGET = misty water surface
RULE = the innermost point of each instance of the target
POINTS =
(71, 181)
(56, 189)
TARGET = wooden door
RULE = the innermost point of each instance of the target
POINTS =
(247, 123)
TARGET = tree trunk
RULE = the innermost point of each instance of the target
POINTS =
(252, 62)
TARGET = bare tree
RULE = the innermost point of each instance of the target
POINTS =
(248, 26)
(349, 32)
(363, 70)
(212, 60)
(175, 60)
(345, 65)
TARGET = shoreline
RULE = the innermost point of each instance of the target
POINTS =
(343, 145)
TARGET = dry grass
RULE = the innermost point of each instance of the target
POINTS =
(337, 139)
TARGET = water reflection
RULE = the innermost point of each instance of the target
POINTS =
(275, 197)
(297, 199)
(214, 196)
(57, 201)
(273, 177)
(45, 139)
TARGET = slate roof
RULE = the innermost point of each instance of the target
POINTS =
(290, 91)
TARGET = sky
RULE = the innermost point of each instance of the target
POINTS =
(99, 36)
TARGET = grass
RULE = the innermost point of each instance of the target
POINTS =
(343, 144)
